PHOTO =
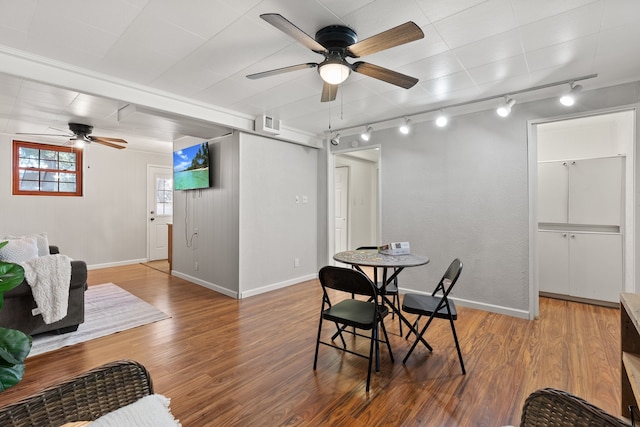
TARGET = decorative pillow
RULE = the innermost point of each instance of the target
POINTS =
(19, 250)
(41, 240)
(76, 424)
(150, 411)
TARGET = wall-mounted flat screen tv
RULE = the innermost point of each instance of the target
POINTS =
(191, 167)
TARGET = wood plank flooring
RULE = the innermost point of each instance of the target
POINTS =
(225, 362)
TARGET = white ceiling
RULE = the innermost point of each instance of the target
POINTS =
(199, 52)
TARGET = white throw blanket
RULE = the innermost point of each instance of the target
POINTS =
(49, 277)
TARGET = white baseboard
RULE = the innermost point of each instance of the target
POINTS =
(275, 286)
(514, 312)
(203, 283)
(116, 264)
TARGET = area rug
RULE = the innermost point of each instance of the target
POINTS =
(108, 309)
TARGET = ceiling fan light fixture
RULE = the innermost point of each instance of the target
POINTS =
(366, 135)
(405, 128)
(569, 98)
(334, 71)
(505, 110)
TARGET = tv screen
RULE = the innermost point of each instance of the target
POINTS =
(191, 167)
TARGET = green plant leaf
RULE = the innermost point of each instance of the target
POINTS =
(14, 349)
(11, 275)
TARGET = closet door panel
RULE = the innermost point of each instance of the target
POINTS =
(596, 266)
(596, 191)
(553, 262)
(553, 188)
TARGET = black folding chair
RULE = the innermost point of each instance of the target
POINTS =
(436, 305)
(359, 314)
(390, 289)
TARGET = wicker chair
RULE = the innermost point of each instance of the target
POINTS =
(84, 398)
(556, 408)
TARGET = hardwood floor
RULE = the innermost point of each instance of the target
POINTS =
(225, 362)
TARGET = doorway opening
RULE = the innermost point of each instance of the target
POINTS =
(356, 186)
(582, 198)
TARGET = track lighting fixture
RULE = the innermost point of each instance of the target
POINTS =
(569, 98)
(442, 120)
(505, 110)
(335, 139)
(366, 135)
(405, 128)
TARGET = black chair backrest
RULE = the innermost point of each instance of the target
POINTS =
(346, 280)
(449, 278)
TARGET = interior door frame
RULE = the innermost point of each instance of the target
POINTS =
(150, 167)
(331, 164)
(629, 236)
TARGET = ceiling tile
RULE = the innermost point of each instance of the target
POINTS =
(490, 49)
(580, 50)
(499, 70)
(478, 22)
(528, 11)
(567, 26)
(212, 17)
(436, 10)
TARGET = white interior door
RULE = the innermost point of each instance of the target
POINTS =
(160, 210)
(341, 178)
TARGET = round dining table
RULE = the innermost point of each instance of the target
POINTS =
(372, 258)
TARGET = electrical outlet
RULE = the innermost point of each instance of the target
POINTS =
(296, 262)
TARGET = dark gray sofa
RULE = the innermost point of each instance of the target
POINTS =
(18, 303)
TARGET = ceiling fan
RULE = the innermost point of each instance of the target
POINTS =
(81, 134)
(336, 43)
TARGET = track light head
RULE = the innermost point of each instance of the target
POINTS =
(405, 128)
(505, 110)
(335, 139)
(569, 98)
(366, 135)
(442, 120)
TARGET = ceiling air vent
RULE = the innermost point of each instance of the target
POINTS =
(267, 124)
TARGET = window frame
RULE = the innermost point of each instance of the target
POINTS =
(16, 169)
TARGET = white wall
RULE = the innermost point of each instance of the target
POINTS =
(462, 191)
(250, 229)
(274, 228)
(588, 137)
(214, 213)
(107, 226)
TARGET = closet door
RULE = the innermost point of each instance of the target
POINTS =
(553, 262)
(596, 191)
(553, 192)
(595, 261)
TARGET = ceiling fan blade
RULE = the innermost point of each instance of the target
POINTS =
(107, 143)
(104, 138)
(397, 36)
(287, 27)
(329, 92)
(384, 74)
(282, 70)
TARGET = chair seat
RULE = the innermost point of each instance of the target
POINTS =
(426, 304)
(353, 312)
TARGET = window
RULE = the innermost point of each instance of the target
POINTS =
(164, 196)
(46, 170)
